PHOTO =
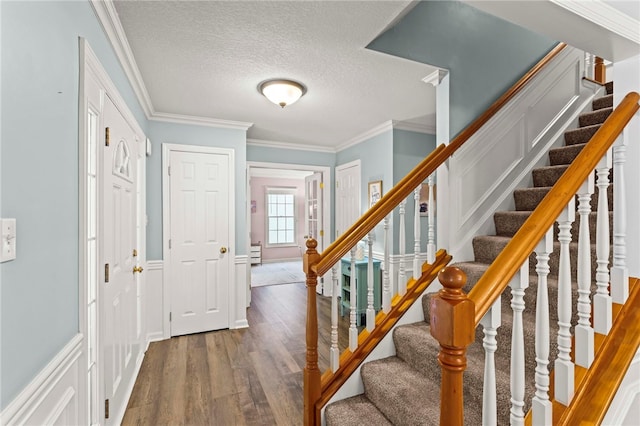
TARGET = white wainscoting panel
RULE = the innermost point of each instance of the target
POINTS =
(241, 287)
(52, 397)
(153, 301)
(499, 157)
(624, 409)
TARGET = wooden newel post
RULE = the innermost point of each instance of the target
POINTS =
(311, 371)
(600, 71)
(452, 324)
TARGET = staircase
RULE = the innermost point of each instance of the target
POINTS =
(405, 389)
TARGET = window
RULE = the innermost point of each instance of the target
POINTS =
(281, 221)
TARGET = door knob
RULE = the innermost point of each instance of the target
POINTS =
(223, 250)
(137, 269)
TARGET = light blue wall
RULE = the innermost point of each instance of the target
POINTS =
(409, 148)
(375, 156)
(184, 134)
(485, 54)
(267, 154)
(39, 178)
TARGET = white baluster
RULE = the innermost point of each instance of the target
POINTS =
(619, 271)
(563, 367)
(431, 234)
(417, 269)
(588, 65)
(402, 280)
(584, 349)
(334, 352)
(518, 284)
(490, 323)
(386, 293)
(371, 313)
(541, 405)
(353, 297)
(602, 308)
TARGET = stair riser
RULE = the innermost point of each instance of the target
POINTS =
(564, 155)
(595, 117)
(603, 102)
(527, 199)
(508, 224)
(581, 135)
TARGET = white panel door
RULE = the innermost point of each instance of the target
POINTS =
(199, 231)
(120, 347)
(348, 196)
(313, 214)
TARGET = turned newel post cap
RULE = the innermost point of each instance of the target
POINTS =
(311, 243)
(452, 279)
(310, 257)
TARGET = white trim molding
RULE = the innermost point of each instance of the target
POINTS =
(435, 77)
(378, 130)
(287, 145)
(153, 301)
(241, 289)
(428, 129)
(199, 121)
(52, 397)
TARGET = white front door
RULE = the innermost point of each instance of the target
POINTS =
(348, 196)
(200, 257)
(119, 240)
(313, 214)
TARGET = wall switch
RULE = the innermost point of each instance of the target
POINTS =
(7, 239)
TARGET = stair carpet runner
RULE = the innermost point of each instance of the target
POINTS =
(405, 389)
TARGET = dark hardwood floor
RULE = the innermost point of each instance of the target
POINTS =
(251, 376)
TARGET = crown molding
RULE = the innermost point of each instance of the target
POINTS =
(108, 17)
(604, 15)
(429, 129)
(435, 77)
(287, 145)
(378, 130)
(200, 121)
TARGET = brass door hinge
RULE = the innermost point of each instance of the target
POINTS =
(106, 408)
(321, 185)
(322, 232)
(106, 136)
(106, 272)
(135, 253)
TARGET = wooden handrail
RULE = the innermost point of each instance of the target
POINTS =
(592, 400)
(422, 171)
(496, 278)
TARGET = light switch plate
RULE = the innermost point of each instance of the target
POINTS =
(7, 239)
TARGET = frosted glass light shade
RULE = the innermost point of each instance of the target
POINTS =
(282, 92)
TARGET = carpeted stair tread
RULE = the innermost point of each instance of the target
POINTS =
(354, 411)
(415, 346)
(580, 135)
(401, 393)
(594, 117)
(508, 222)
(527, 199)
(602, 102)
(565, 154)
(547, 175)
(609, 87)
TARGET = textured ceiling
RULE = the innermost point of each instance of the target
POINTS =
(205, 59)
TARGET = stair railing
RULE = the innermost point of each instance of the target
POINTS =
(511, 267)
(317, 388)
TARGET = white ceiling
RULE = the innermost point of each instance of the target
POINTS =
(205, 59)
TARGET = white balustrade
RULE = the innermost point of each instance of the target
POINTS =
(518, 285)
(563, 367)
(602, 300)
(353, 329)
(417, 269)
(490, 323)
(431, 234)
(584, 332)
(386, 291)
(541, 405)
(619, 271)
(371, 313)
(334, 351)
(402, 279)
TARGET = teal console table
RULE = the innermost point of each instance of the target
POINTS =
(360, 275)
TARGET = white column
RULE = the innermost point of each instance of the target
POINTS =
(353, 297)
(619, 271)
(431, 235)
(563, 367)
(402, 279)
(541, 405)
(371, 313)
(334, 351)
(584, 349)
(602, 299)
(386, 292)
(490, 323)
(518, 284)
(417, 268)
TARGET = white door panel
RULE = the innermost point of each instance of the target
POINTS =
(347, 196)
(200, 257)
(313, 215)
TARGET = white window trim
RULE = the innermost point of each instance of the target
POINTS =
(280, 190)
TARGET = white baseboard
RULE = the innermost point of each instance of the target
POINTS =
(241, 289)
(53, 396)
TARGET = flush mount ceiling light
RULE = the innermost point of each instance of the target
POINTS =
(282, 92)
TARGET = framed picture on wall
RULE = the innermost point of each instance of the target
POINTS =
(375, 192)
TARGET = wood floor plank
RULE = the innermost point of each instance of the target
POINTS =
(247, 377)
